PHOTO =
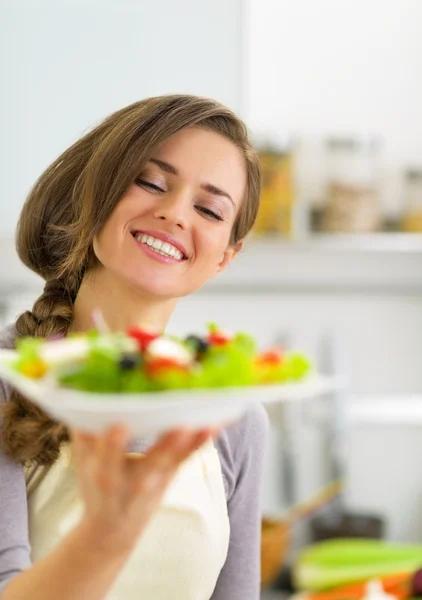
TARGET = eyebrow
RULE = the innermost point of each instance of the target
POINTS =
(208, 187)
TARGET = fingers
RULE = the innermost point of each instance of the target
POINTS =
(104, 456)
(82, 448)
(164, 458)
(111, 448)
(100, 458)
(82, 443)
(174, 447)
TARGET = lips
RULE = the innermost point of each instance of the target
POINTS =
(164, 237)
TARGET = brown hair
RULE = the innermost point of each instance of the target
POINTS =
(69, 205)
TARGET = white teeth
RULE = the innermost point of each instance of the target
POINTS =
(159, 246)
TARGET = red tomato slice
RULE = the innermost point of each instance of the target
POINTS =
(142, 336)
(156, 365)
(273, 357)
(217, 338)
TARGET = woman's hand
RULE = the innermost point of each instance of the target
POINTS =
(121, 491)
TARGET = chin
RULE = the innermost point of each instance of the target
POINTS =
(146, 285)
(164, 289)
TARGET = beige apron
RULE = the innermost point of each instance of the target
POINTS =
(184, 547)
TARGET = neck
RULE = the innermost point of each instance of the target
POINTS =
(122, 306)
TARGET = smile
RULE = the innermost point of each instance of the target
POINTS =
(158, 246)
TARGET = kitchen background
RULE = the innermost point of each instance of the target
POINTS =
(332, 91)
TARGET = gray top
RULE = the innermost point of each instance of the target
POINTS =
(241, 450)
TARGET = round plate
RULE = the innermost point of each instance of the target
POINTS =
(155, 412)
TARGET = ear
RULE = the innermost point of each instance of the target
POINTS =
(228, 256)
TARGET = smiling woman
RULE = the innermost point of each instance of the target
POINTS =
(179, 199)
(141, 211)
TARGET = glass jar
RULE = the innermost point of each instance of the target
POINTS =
(352, 200)
(275, 215)
(412, 212)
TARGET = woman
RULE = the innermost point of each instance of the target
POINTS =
(141, 211)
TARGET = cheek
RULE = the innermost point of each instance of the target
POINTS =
(114, 228)
(105, 242)
(215, 243)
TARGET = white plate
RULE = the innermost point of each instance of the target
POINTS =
(155, 412)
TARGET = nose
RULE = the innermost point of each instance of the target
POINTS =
(174, 208)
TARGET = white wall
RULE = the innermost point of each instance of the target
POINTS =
(338, 66)
(67, 64)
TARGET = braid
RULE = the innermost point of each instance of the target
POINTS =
(51, 314)
(28, 433)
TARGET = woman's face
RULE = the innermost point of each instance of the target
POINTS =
(170, 232)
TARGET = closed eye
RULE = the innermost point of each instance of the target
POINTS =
(149, 185)
(209, 213)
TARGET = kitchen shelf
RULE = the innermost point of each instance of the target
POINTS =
(385, 412)
(359, 243)
(378, 263)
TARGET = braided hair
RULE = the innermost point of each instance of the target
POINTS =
(27, 429)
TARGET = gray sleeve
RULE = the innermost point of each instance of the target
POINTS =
(14, 539)
(242, 450)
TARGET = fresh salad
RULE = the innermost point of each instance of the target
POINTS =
(145, 360)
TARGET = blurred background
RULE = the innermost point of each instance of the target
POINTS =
(332, 91)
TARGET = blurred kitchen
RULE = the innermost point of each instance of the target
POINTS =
(332, 92)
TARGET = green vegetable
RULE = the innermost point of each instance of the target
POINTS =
(28, 347)
(294, 367)
(100, 371)
(333, 563)
(212, 327)
(227, 365)
(246, 343)
(171, 379)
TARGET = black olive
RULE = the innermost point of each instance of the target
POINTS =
(129, 361)
(198, 344)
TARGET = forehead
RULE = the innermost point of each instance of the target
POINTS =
(200, 155)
